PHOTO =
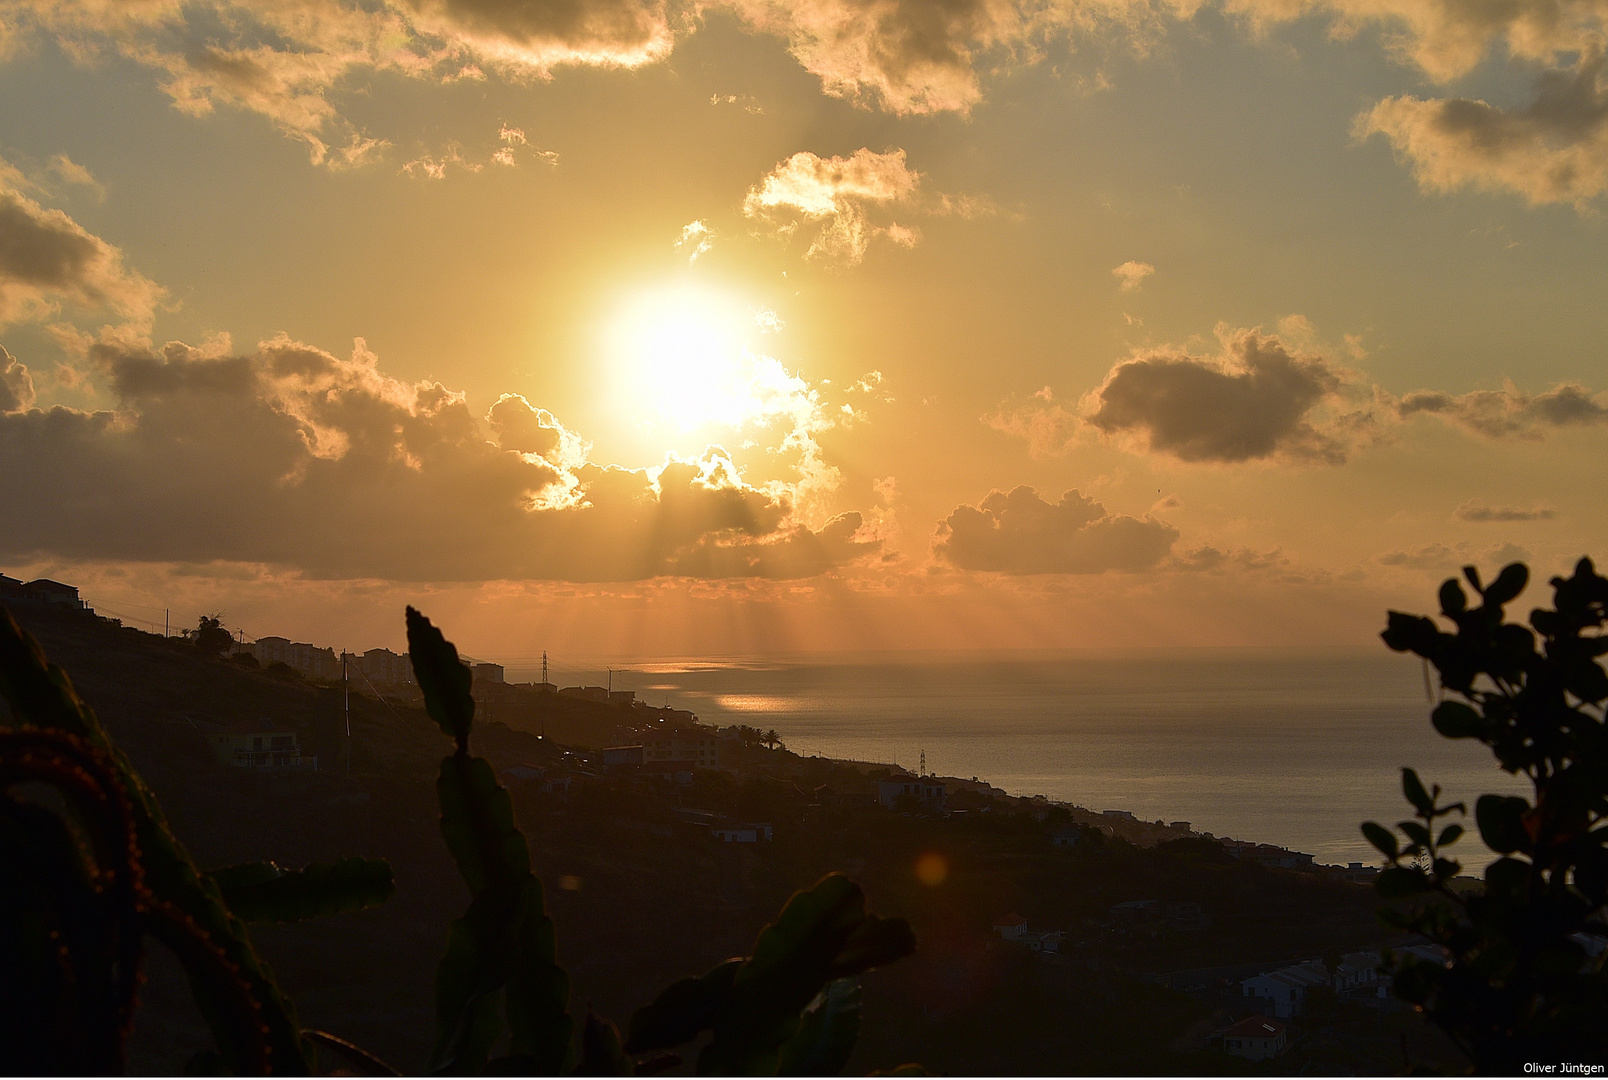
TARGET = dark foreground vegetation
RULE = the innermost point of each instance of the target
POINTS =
(640, 895)
(1523, 982)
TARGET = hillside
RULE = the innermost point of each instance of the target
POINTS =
(640, 897)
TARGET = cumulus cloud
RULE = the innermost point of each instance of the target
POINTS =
(1510, 412)
(1254, 400)
(47, 258)
(835, 197)
(281, 60)
(1473, 511)
(1132, 274)
(16, 385)
(1260, 399)
(1021, 533)
(915, 56)
(1553, 150)
(291, 456)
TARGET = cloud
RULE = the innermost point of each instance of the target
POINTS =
(1553, 150)
(1048, 426)
(47, 258)
(1438, 558)
(1209, 559)
(697, 237)
(1021, 533)
(1261, 399)
(16, 385)
(916, 56)
(1509, 411)
(1133, 274)
(69, 171)
(833, 195)
(1447, 40)
(290, 456)
(282, 60)
(1253, 401)
(541, 36)
(1473, 511)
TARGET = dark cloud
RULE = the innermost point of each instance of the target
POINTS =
(1253, 401)
(1555, 149)
(47, 257)
(562, 30)
(1260, 399)
(16, 385)
(1471, 511)
(293, 457)
(523, 427)
(1510, 411)
(1021, 533)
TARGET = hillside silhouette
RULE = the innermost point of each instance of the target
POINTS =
(640, 897)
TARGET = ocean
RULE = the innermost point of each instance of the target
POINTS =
(1279, 748)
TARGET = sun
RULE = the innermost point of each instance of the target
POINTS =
(682, 354)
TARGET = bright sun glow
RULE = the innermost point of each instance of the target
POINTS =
(685, 354)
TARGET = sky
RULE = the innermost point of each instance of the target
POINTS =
(624, 329)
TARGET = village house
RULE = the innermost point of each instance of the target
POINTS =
(382, 667)
(41, 592)
(259, 744)
(925, 791)
(1284, 991)
(617, 756)
(1014, 928)
(690, 746)
(1256, 1038)
(1269, 855)
(310, 660)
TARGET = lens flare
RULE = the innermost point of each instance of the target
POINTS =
(932, 869)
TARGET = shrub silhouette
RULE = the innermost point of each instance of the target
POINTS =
(1519, 984)
(93, 871)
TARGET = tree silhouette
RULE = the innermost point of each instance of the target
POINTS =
(211, 637)
(1523, 979)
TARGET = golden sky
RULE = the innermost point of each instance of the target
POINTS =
(635, 329)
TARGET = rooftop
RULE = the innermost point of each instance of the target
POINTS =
(1255, 1027)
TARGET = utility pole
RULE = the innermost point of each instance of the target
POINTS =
(165, 623)
(346, 686)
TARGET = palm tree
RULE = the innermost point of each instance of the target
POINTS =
(772, 740)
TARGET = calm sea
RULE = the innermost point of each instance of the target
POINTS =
(1284, 749)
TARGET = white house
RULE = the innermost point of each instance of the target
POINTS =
(927, 792)
(1283, 992)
